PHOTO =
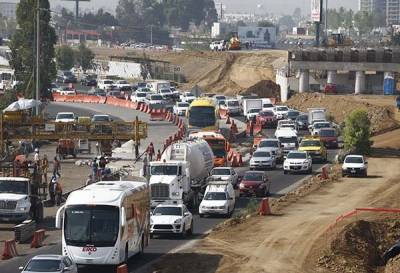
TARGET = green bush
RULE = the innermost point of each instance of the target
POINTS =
(357, 132)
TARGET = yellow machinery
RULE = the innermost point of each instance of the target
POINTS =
(19, 126)
(338, 40)
(234, 42)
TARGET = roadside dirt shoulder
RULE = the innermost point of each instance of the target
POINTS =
(283, 242)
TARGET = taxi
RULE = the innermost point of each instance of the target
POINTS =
(315, 148)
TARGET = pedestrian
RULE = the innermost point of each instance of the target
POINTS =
(58, 193)
(158, 155)
(90, 180)
(45, 167)
(95, 169)
(102, 163)
(52, 190)
(56, 167)
(145, 162)
(150, 151)
(36, 157)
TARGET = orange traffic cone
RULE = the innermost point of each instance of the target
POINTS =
(264, 208)
(122, 268)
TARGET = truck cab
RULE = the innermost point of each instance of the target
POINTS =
(19, 200)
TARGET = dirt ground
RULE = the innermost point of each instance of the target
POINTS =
(381, 109)
(288, 241)
(219, 72)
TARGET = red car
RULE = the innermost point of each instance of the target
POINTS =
(255, 183)
(329, 137)
(330, 88)
(266, 118)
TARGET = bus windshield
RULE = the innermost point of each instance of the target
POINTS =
(202, 116)
(91, 225)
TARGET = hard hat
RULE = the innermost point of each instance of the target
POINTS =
(36, 149)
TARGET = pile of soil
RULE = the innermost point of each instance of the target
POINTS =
(393, 266)
(359, 246)
(264, 89)
(339, 107)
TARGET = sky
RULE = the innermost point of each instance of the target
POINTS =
(270, 6)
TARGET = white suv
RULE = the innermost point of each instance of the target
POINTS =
(297, 161)
(219, 199)
(355, 165)
(171, 219)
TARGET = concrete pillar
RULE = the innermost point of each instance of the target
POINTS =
(360, 82)
(304, 81)
(331, 78)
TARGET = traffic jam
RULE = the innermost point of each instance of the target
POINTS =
(109, 221)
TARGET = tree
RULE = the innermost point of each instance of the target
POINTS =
(23, 43)
(287, 21)
(364, 22)
(265, 24)
(84, 57)
(65, 57)
(357, 132)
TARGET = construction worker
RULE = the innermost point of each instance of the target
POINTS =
(52, 190)
(36, 157)
(150, 151)
(45, 167)
(56, 167)
(58, 193)
(158, 155)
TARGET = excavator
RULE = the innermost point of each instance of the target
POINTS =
(234, 42)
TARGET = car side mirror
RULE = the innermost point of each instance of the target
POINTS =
(310, 126)
(186, 214)
(66, 269)
(366, 162)
(20, 268)
(230, 198)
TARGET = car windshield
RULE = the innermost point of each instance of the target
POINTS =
(183, 104)
(293, 114)
(156, 97)
(353, 159)
(65, 116)
(141, 84)
(282, 108)
(91, 225)
(268, 105)
(67, 73)
(297, 155)
(200, 116)
(101, 118)
(177, 211)
(233, 103)
(302, 118)
(321, 125)
(215, 196)
(164, 170)
(254, 111)
(220, 97)
(327, 133)
(288, 139)
(165, 91)
(268, 143)
(18, 187)
(310, 143)
(108, 82)
(42, 265)
(267, 114)
(220, 172)
(140, 95)
(261, 154)
(253, 176)
(123, 82)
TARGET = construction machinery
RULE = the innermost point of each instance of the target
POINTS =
(19, 125)
(234, 42)
(339, 40)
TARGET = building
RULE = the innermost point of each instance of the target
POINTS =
(392, 12)
(8, 9)
(371, 5)
(219, 30)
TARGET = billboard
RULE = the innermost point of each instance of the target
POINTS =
(316, 10)
(258, 35)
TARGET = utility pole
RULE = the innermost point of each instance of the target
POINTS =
(151, 34)
(37, 55)
(326, 21)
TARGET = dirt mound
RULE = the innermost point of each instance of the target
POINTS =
(382, 116)
(359, 246)
(264, 89)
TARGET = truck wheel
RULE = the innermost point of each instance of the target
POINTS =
(183, 234)
(310, 170)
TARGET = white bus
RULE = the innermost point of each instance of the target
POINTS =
(105, 223)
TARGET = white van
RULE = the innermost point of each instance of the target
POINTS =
(219, 198)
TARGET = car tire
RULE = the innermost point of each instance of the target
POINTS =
(151, 235)
(365, 174)
(228, 213)
(201, 215)
(184, 232)
(310, 171)
(285, 172)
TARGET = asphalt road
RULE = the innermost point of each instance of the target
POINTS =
(158, 131)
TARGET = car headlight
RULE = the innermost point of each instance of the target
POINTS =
(23, 207)
(178, 221)
(306, 162)
(221, 207)
(241, 186)
(175, 193)
(151, 221)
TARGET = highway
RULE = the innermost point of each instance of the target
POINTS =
(158, 131)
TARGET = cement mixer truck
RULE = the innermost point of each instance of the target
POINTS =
(180, 176)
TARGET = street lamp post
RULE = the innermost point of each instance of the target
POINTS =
(37, 55)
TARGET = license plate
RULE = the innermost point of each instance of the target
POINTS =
(353, 171)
